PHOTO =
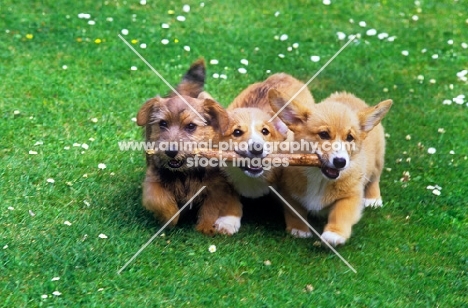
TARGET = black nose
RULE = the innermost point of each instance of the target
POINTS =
(171, 153)
(256, 148)
(339, 162)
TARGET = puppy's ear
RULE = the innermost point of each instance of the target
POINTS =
(292, 114)
(145, 111)
(219, 117)
(280, 126)
(193, 81)
(371, 116)
(205, 95)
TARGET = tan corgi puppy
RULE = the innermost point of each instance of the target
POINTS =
(170, 181)
(252, 129)
(349, 140)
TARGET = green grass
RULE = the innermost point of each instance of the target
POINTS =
(410, 253)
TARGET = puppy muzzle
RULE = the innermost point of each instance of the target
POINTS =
(333, 170)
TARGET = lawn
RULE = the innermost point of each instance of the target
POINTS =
(70, 214)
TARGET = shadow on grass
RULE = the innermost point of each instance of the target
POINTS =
(264, 214)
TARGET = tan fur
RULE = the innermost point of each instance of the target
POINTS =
(345, 118)
(256, 95)
(250, 113)
(167, 188)
(243, 118)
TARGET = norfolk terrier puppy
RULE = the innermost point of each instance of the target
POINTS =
(187, 117)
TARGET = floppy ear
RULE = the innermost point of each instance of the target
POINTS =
(371, 116)
(145, 111)
(292, 114)
(219, 118)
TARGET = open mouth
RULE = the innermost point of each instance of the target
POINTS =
(174, 163)
(330, 173)
(252, 171)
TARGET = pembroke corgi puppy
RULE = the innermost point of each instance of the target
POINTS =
(349, 140)
(170, 182)
(253, 130)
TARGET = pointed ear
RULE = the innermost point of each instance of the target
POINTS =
(371, 116)
(280, 126)
(292, 114)
(219, 118)
(145, 111)
(205, 95)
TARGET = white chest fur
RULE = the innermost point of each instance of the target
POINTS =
(247, 186)
(316, 186)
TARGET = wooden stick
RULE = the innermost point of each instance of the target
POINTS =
(306, 160)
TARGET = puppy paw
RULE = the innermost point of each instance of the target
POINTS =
(227, 224)
(373, 202)
(332, 238)
(300, 233)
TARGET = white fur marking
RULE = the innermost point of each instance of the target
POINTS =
(228, 224)
(300, 234)
(339, 153)
(316, 185)
(332, 238)
(373, 202)
(254, 135)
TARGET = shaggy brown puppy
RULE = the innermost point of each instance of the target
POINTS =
(175, 124)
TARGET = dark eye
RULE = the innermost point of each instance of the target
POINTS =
(324, 135)
(190, 127)
(163, 124)
(349, 138)
(237, 133)
(265, 132)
